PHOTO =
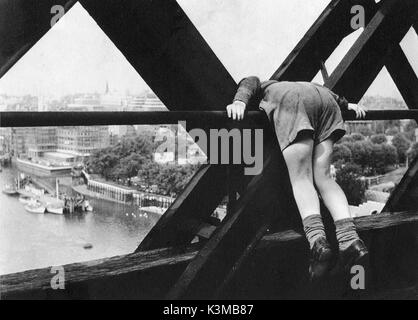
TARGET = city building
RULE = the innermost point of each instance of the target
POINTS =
(4, 140)
(58, 145)
(153, 103)
(356, 126)
(41, 140)
(113, 139)
(136, 103)
(82, 141)
(52, 152)
(18, 141)
(85, 103)
(43, 169)
(145, 102)
(19, 103)
(2, 103)
(122, 131)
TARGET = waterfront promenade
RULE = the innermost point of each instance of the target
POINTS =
(83, 190)
(123, 195)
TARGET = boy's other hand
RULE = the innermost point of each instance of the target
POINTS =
(236, 110)
(360, 111)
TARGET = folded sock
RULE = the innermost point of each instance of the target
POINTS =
(314, 228)
(346, 233)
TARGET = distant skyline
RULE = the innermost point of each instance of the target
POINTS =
(249, 37)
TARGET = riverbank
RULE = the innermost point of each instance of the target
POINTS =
(31, 241)
(154, 209)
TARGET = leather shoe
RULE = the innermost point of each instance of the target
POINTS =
(355, 254)
(321, 256)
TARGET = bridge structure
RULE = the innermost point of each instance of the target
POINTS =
(258, 250)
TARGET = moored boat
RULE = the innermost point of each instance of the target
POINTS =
(10, 190)
(153, 209)
(55, 209)
(25, 199)
(35, 207)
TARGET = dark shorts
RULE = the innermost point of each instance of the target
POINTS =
(293, 107)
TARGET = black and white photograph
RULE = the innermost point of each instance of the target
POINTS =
(208, 154)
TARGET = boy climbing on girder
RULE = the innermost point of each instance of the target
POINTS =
(307, 120)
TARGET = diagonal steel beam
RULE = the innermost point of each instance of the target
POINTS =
(400, 70)
(405, 194)
(163, 45)
(403, 75)
(406, 81)
(321, 40)
(22, 24)
(367, 56)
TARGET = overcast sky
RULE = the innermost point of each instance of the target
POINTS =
(250, 38)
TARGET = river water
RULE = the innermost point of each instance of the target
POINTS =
(30, 241)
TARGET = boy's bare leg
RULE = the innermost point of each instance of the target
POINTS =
(298, 157)
(352, 249)
(332, 194)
